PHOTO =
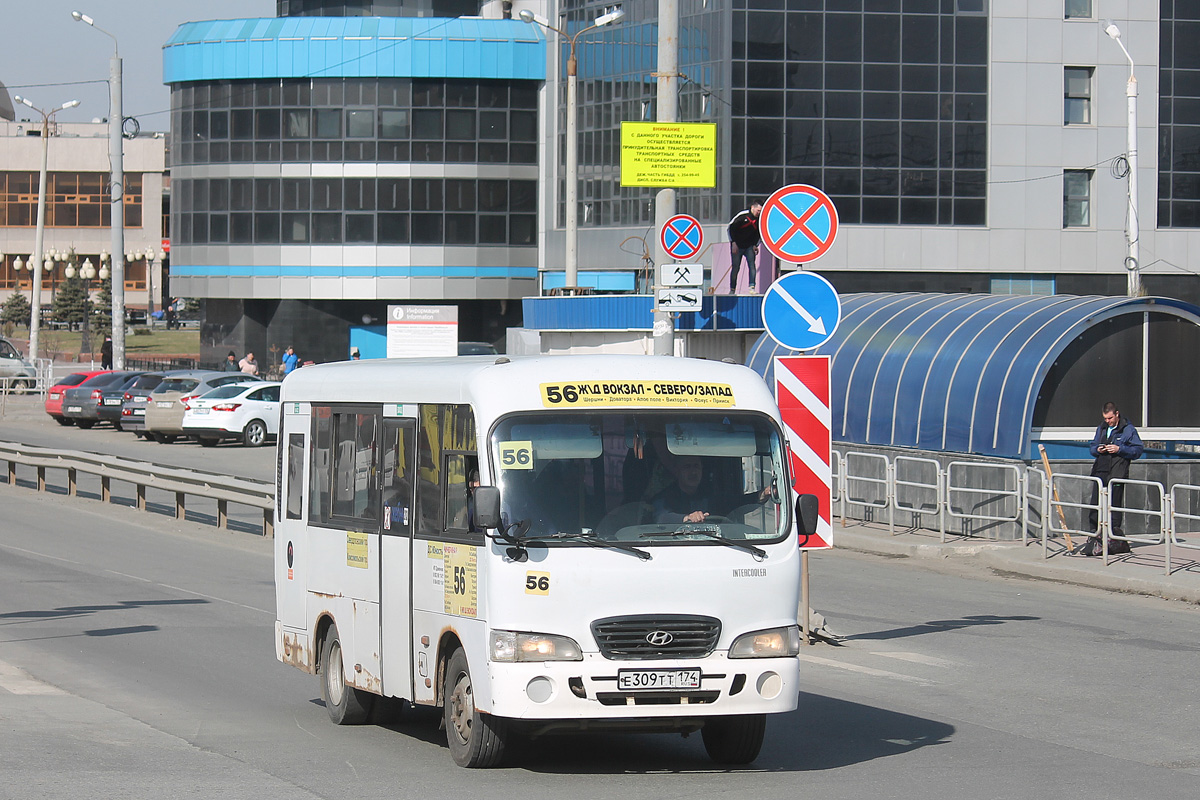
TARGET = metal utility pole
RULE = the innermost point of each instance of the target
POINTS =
(664, 201)
(36, 266)
(1132, 227)
(572, 182)
(116, 156)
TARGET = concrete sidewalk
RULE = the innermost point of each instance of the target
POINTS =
(1139, 572)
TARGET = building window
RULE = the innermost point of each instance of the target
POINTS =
(1022, 284)
(1077, 198)
(1077, 9)
(73, 200)
(1077, 95)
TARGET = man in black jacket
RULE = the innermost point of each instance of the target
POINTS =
(1115, 444)
(743, 241)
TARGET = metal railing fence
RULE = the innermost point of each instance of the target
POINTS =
(985, 498)
(142, 475)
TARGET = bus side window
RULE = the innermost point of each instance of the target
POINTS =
(353, 467)
(295, 472)
(319, 501)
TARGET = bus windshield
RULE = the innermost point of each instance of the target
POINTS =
(645, 478)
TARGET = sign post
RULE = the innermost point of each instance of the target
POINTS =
(802, 393)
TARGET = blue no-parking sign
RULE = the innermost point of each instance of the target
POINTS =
(681, 237)
(798, 223)
(801, 310)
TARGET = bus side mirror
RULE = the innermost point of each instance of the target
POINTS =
(807, 514)
(487, 507)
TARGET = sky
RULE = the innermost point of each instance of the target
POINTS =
(51, 59)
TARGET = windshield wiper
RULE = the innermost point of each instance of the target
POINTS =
(596, 541)
(709, 532)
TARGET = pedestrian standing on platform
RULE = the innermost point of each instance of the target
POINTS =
(248, 365)
(290, 360)
(1115, 444)
(743, 243)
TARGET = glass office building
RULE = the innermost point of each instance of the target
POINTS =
(968, 145)
(348, 155)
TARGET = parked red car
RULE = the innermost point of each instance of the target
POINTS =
(54, 397)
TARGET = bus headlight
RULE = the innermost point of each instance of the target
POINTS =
(771, 643)
(515, 646)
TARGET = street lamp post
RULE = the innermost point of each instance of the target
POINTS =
(35, 260)
(117, 167)
(572, 182)
(1132, 226)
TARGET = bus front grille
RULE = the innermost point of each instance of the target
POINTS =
(652, 636)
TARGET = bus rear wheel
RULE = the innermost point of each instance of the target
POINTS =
(734, 740)
(345, 704)
(476, 740)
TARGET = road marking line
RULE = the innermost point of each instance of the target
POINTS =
(15, 680)
(916, 658)
(876, 673)
(189, 591)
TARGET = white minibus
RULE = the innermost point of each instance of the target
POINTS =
(541, 544)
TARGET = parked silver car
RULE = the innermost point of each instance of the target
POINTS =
(165, 407)
(18, 373)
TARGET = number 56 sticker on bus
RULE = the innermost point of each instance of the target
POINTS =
(541, 544)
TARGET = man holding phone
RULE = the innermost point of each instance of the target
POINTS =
(1115, 444)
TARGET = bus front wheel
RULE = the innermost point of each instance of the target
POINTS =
(734, 740)
(475, 739)
(345, 704)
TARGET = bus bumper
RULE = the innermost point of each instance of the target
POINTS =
(585, 694)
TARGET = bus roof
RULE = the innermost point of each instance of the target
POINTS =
(496, 385)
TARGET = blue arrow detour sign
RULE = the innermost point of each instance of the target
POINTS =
(801, 310)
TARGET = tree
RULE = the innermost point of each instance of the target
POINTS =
(16, 310)
(71, 301)
(102, 316)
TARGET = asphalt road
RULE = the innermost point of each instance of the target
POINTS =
(136, 661)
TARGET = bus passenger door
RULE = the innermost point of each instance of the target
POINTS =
(398, 470)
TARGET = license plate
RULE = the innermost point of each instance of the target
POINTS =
(74, 409)
(112, 401)
(164, 403)
(200, 411)
(139, 412)
(634, 679)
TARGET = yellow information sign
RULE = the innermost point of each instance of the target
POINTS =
(671, 154)
(637, 393)
(356, 549)
(460, 580)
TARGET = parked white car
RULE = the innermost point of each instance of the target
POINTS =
(246, 411)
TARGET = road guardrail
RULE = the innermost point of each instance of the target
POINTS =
(143, 475)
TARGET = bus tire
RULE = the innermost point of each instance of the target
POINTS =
(476, 740)
(345, 704)
(735, 739)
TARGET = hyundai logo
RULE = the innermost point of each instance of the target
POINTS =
(660, 638)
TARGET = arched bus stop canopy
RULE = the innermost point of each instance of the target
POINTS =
(994, 374)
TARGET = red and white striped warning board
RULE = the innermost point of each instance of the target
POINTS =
(802, 392)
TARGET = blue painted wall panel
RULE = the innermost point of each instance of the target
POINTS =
(426, 47)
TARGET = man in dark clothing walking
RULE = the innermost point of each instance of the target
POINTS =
(106, 357)
(1115, 444)
(743, 241)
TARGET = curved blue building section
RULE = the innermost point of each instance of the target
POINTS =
(977, 373)
(354, 47)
